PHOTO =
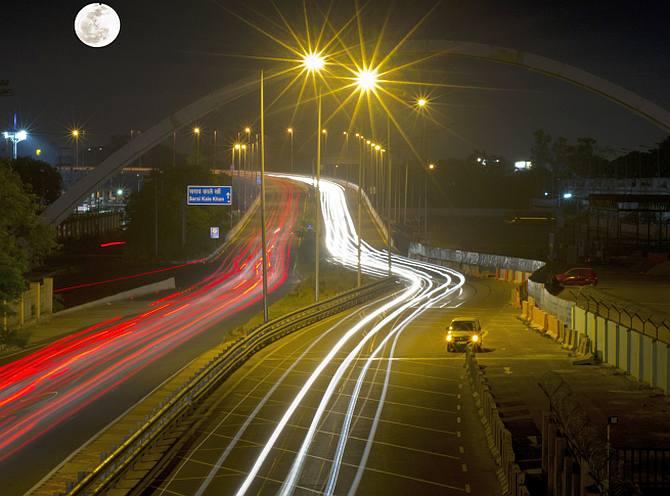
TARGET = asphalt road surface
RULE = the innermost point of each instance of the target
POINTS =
(367, 402)
(427, 440)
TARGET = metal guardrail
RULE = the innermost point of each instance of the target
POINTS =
(169, 413)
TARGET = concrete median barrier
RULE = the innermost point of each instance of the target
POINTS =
(621, 338)
(510, 475)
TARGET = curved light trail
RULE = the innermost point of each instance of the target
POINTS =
(45, 388)
(424, 286)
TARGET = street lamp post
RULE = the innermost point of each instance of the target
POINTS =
(388, 192)
(404, 213)
(196, 133)
(314, 62)
(214, 161)
(290, 135)
(263, 241)
(75, 135)
(174, 148)
(425, 199)
(361, 143)
(317, 220)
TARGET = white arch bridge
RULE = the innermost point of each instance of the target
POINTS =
(63, 206)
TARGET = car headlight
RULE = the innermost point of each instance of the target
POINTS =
(475, 338)
(449, 338)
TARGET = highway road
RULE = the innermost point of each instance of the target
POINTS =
(367, 402)
(56, 398)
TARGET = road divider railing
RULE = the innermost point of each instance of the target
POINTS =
(171, 412)
(510, 475)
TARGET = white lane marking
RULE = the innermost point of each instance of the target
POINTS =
(331, 434)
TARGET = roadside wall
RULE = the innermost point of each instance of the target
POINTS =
(638, 348)
(32, 305)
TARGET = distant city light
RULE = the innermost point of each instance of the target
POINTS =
(523, 165)
(38, 152)
(421, 102)
(546, 194)
(567, 196)
(119, 192)
(15, 137)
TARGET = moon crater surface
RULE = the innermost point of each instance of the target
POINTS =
(97, 25)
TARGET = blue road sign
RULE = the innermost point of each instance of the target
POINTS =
(209, 195)
(214, 232)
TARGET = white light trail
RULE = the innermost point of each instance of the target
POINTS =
(422, 290)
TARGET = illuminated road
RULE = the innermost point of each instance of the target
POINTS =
(53, 400)
(366, 402)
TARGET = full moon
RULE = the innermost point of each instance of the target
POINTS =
(97, 25)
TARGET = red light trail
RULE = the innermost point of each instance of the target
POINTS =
(43, 389)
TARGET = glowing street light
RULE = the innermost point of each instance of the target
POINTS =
(366, 80)
(421, 103)
(313, 62)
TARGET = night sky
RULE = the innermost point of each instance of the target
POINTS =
(169, 53)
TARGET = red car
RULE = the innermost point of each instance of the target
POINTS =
(580, 276)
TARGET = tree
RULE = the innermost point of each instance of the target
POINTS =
(561, 152)
(24, 239)
(540, 150)
(42, 179)
(165, 195)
